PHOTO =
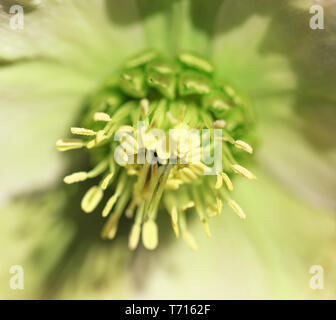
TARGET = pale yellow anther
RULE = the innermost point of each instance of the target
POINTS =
(188, 205)
(134, 237)
(199, 168)
(91, 199)
(206, 228)
(82, 131)
(230, 91)
(182, 176)
(76, 177)
(109, 205)
(243, 172)
(101, 116)
(219, 124)
(189, 239)
(227, 181)
(106, 181)
(173, 184)
(113, 226)
(219, 205)
(243, 146)
(219, 181)
(174, 218)
(174, 215)
(150, 235)
(188, 172)
(144, 106)
(69, 144)
(237, 209)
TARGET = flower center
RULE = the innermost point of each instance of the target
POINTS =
(165, 134)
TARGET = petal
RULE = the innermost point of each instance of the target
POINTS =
(238, 56)
(291, 156)
(289, 78)
(59, 249)
(49, 67)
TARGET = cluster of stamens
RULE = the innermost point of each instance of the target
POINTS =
(146, 175)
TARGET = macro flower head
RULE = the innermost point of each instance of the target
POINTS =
(142, 95)
(153, 108)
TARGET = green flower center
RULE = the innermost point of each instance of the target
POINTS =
(152, 129)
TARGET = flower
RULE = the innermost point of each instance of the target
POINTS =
(170, 99)
(268, 51)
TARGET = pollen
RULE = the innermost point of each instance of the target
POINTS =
(165, 136)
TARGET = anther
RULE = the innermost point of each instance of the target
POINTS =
(243, 172)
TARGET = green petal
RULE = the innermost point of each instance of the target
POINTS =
(286, 74)
(48, 69)
(238, 59)
(291, 156)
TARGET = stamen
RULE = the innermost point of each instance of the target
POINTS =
(173, 184)
(144, 106)
(150, 235)
(106, 181)
(75, 177)
(99, 169)
(91, 199)
(111, 226)
(187, 172)
(206, 228)
(69, 144)
(199, 168)
(237, 209)
(243, 172)
(219, 181)
(219, 124)
(219, 205)
(188, 205)
(174, 218)
(82, 131)
(187, 236)
(189, 239)
(101, 116)
(110, 203)
(134, 237)
(243, 146)
(227, 181)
